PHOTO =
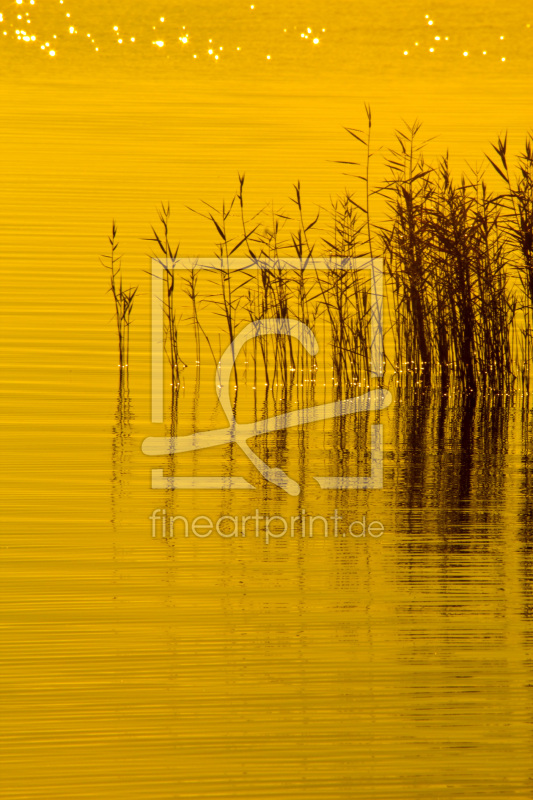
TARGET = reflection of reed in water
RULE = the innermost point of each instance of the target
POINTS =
(463, 526)
(273, 448)
(526, 512)
(525, 516)
(172, 430)
(256, 433)
(451, 470)
(121, 445)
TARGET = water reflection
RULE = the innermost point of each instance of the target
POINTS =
(413, 637)
(452, 514)
(121, 447)
(525, 514)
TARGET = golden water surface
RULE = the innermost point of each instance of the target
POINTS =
(142, 666)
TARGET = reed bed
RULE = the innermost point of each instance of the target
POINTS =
(447, 260)
(458, 262)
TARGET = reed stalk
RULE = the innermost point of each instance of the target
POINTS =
(123, 298)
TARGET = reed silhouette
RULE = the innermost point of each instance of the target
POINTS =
(458, 261)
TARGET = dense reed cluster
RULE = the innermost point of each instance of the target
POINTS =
(458, 265)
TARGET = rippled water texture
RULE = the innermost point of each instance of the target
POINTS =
(142, 666)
